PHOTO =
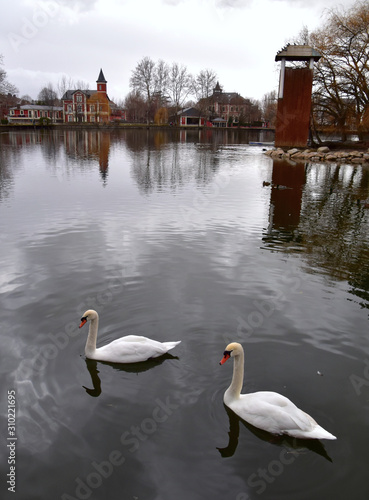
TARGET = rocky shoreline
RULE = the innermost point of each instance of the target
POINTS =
(322, 154)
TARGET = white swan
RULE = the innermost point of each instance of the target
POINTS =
(265, 410)
(129, 349)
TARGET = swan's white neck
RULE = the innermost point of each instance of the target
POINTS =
(234, 390)
(90, 347)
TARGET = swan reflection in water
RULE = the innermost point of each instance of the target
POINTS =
(294, 445)
(128, 368)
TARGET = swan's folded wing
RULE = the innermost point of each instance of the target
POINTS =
(272, 412)
(131, 349)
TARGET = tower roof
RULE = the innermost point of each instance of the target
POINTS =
(101, 78)
(217, 88)
(298, 53)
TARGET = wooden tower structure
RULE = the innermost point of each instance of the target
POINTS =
(294, 96)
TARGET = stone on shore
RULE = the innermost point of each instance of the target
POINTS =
(321, 154)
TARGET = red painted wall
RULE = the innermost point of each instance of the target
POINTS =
(293, 114)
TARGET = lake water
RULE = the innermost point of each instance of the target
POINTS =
(174, 236)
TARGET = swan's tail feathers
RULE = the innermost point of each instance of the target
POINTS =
(171, 345)
(316, 433)
(321, 433)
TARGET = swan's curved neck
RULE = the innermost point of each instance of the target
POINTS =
(234, 390)
(92, 336)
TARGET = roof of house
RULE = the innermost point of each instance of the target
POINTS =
(224, 97)
(68, 96)
(40, 107)
(298, 53)
(189, 112)
(228, 98)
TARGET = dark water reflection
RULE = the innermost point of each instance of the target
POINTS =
(193, 236)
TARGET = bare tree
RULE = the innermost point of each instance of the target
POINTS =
(65, 83)
(135, 106)
(179, 84)
(143, 82)
(25, 99)
(5, 86)
(204, 83)
(341, 81)
(143, 78)
(80, 85)
(48, 96)
(269, 107)
(161, 82)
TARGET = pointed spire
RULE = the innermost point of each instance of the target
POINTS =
(101, 78)
(217, 88)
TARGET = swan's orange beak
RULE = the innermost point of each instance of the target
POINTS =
(226, 356)
(83, 322)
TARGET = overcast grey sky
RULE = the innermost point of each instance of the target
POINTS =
(41, 40)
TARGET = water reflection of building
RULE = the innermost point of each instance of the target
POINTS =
(286, 194)
(286, 185)
(87, 144)
(319, 216)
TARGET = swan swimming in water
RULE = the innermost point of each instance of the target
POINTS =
(128, 349)
(267, 410)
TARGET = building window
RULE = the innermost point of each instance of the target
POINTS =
(79, 98)
(70, 118)
(12, 111)
(92, 108)
(79, 108)
(21, 112)
(92, 118)
(69, 108)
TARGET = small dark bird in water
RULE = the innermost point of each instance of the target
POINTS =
(363, 203)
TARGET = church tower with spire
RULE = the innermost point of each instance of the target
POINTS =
(101, 83)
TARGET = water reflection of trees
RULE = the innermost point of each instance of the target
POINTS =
(10, 144)
(8, 167)
(157, 166)
(171, 168)
(320, 217)
(160, 159)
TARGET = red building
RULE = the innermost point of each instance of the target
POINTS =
(31, 113)
(91, 106)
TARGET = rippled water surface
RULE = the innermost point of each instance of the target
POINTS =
(193, 237)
